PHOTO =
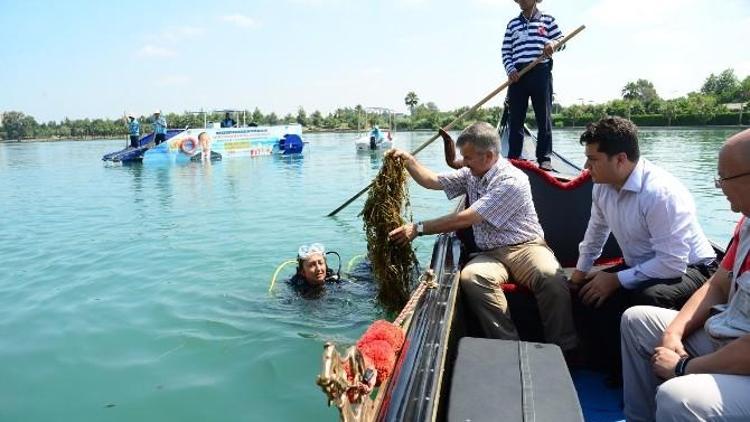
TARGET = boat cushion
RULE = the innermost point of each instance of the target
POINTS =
(510, 286)
(505, 380)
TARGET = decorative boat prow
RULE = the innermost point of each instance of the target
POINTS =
(341, 388)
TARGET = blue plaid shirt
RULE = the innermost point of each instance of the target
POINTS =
(503, 198)
(160, 126)
(134, 128)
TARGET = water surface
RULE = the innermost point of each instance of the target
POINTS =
(140, 292)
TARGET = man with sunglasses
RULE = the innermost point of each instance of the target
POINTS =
(695, 364)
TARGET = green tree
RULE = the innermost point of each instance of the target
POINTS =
(357, 118)
(641, 90)
(411, 100)
(743, 94)
(18, 125)
(316, 119)
(257, 117)
(301, 116)
(704, 107)
(669, 110)
(272, 119)
(724, 87)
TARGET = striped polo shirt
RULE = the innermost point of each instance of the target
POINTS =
(503, 198)
(525, 39)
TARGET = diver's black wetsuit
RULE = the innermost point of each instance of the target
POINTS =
(306, 290)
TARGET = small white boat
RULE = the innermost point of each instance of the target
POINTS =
(368, 143)
(377, 140)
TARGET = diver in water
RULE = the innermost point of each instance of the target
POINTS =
(312, 270)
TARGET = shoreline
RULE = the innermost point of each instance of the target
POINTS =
(317, 131)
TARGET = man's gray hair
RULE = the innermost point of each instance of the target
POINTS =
(482, 135)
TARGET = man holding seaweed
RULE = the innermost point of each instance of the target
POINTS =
(507, 233)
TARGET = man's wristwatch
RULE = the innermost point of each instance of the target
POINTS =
(681, 367)
(420, 228)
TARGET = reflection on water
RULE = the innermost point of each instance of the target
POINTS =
(139, 292)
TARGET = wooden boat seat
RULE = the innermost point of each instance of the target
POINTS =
(504, 380)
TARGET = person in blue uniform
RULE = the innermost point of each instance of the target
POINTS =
(228, 121)
(376, 137)
(134, 130)
(160, 127)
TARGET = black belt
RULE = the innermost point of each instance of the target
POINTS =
(522, 66)
(706, 267)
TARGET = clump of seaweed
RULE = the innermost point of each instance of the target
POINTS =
(392, 264)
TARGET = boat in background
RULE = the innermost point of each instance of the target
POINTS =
(367, 141)
(181, 145)
(229, 142)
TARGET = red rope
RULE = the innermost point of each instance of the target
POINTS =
(412, 303)
(547, 177)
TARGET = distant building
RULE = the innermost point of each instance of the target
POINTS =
(735, 106)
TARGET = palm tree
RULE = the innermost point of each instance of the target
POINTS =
(411, 100)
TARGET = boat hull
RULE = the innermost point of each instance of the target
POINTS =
(230, 143)
(363, 144)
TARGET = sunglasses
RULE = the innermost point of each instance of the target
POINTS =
(718, 180)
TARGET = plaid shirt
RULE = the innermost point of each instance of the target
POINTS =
(134, 128)
(160, 126)
(503, 198)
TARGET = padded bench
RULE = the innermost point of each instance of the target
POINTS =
(504, 380)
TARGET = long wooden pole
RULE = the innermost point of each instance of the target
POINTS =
(450, 125)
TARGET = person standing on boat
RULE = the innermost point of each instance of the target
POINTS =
(160, 127)
(134, 130)
(527, 36)
(506, 231)
(702, 352)
(376, 137)
(653, 218)
(228, 121)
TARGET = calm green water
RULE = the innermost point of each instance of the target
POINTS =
(140, 293)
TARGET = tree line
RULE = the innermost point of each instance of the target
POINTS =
(640, 102)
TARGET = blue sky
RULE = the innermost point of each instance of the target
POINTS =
(96, 59)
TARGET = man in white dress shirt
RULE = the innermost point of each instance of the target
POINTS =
(653, 218)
